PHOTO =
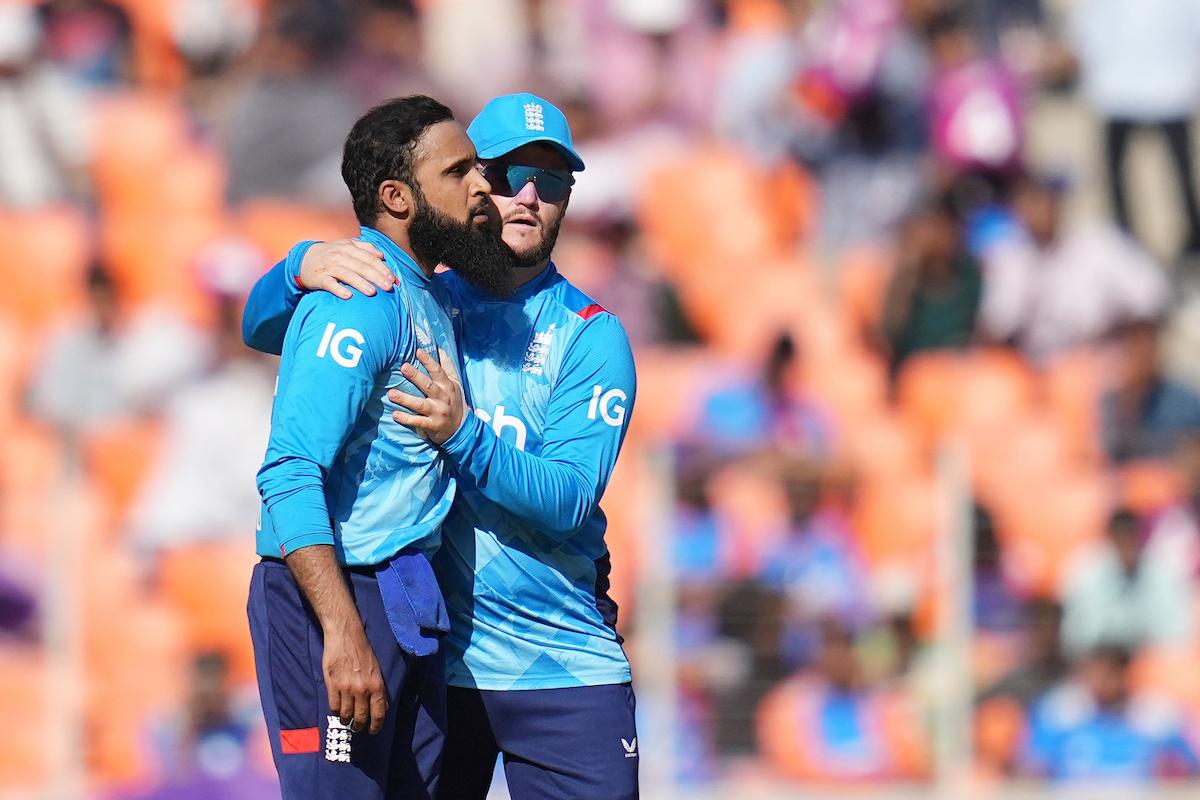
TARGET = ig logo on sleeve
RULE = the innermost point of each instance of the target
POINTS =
(346, 355)
(609, 405)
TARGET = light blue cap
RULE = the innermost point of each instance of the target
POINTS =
(512, 120)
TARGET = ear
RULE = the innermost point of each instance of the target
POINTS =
(396, 197)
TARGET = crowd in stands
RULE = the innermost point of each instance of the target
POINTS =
(824, 227)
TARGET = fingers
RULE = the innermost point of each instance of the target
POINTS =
(333, 286)
(345, 710)
(447, 364)
(420, 405)
(357, 281)
(430, 364)
(362, 712)
(356, 261)
(417, 378)
(368, 248)
(378, 702)
(414, 421)
(335, 698)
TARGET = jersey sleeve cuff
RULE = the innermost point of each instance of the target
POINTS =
(290, 545)
(464, 440)
(291, 269)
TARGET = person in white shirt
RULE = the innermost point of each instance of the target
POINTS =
(1063, 283)
(1140, 67)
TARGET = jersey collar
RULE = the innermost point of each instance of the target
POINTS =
(400, 262)
(535, 285)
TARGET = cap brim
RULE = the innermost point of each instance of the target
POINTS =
(497, 149)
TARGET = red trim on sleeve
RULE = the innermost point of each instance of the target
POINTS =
(590, 311)
(300, 740)
(296, 280)
(282, 552)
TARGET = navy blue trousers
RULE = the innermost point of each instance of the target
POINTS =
(315, 755)
(577, 743)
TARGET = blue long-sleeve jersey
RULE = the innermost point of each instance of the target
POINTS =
(523, 564)
(338, 469)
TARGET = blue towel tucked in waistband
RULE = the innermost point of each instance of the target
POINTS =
(413, 602)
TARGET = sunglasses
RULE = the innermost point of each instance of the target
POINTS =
(507, 180)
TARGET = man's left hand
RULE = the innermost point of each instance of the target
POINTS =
(440, 413)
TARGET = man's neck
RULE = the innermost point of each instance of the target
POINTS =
(523, 275)
(399, 236)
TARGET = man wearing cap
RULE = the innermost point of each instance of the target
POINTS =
(535, 668)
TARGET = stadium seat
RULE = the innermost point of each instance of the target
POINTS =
(928, 392)
(152, 259)
(863, 275)
(43, 264)
(1042, 530)
(24, 758)
(895, 522)
(1072, 387)
(881, 446)
(275, 225)
(118, 457)
(665, 412)
(207, 584)
(32, 464)
(752, 214)
(998, 386)
(137, 134)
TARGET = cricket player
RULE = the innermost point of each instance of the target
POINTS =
(345, 612)
(535, 667)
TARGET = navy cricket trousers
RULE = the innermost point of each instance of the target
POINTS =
(316, 756)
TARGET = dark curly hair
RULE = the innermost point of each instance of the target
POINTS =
(380, 148)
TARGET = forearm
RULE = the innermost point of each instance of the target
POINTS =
(323, 585)
(272, 303)
(551, 495)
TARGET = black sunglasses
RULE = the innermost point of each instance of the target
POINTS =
(507, 180)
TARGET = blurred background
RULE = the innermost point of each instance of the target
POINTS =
(910, 503)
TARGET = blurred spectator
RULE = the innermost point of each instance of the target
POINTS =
(750, 626)
(288, 125)
(1067, 282)
(934, 296)
(207, 754)
(1140, 64)
(1146, 415)
(109, 364)
(860, 113)
(209, 452)
(1094, 729)
(1127, 592)
(996, 609)
(771, 409)
(828, 726)
(76, 383)
(1043, 664)
(975, 113)
(18, 601)
(816, 564)
(386, 58)
(91, 40)
(210, 34)
(44, 121)
(606, 259)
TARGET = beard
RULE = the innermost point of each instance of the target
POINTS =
(541, 251)
(477, 254)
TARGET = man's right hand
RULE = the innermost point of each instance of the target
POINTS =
(335, 266)
(357, 694)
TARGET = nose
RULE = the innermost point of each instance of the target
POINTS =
(528, 195)
(481, 185)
